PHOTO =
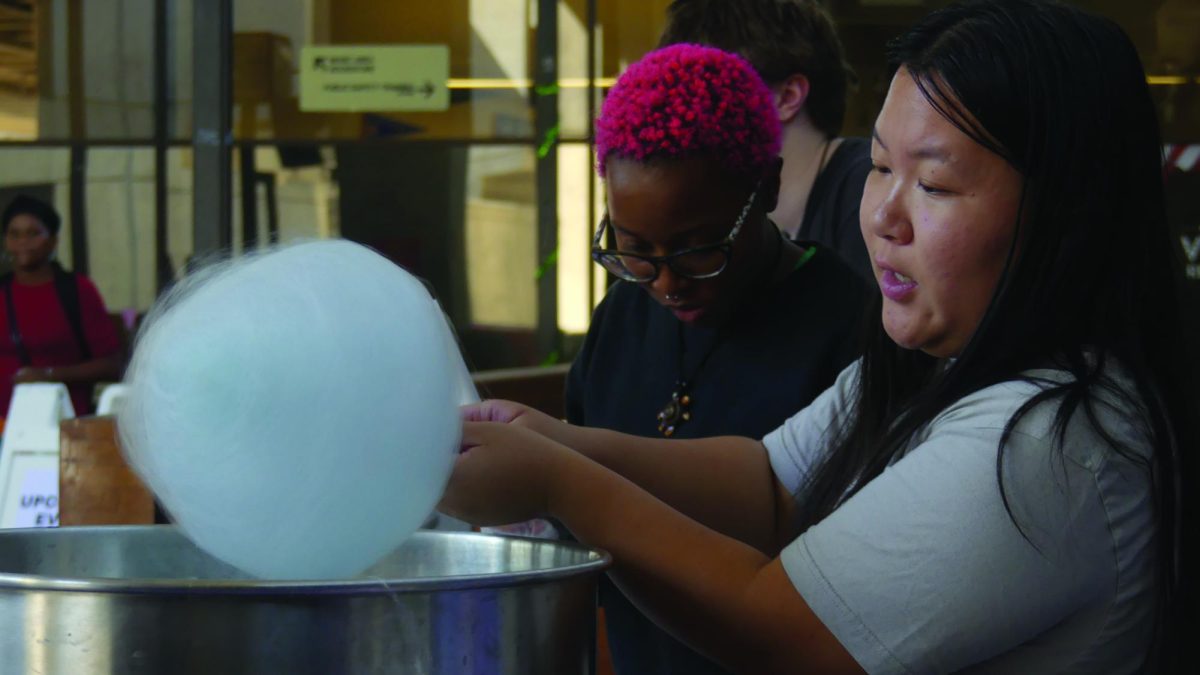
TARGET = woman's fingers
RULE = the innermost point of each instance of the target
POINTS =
(469, 437)
(475, 412)
(502, 474)
(478, 433)
(494, 410)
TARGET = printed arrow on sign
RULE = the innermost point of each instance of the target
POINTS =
(427, 89)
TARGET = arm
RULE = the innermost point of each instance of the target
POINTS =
(700, 478)
(732, 602)
(726, 483)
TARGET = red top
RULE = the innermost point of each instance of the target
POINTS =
(48, 337)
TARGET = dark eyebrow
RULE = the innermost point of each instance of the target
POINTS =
(928, 152)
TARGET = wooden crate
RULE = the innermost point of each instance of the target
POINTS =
(95, 485)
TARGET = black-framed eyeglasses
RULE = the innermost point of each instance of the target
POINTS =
(701, 262)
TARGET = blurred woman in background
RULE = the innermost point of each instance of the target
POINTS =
(54, 327)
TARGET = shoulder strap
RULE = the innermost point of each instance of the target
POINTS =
(67, 286)
(14, 332)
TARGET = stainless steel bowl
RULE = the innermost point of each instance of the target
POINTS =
(84, 600)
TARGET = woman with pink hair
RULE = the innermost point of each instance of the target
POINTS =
(718, 324)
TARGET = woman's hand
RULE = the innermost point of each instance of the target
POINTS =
(505, 474)
(30, 374)
(495, 410)
(510, 412)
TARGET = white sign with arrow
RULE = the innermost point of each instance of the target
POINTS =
(368, 78)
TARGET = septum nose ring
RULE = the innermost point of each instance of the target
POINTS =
(672, 298)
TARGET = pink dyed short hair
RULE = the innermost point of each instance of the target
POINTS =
(690, 100)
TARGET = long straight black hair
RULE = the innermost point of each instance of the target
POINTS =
(1062, 96)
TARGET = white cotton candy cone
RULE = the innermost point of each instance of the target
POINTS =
(296, 413)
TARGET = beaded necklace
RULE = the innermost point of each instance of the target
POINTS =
(677, 411)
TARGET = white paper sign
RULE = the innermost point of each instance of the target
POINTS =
(31, 490)
(38, 494)
(29, 456)
(34, 414)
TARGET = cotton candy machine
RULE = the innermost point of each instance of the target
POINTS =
(91, 600)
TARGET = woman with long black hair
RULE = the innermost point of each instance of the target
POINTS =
(998, 484)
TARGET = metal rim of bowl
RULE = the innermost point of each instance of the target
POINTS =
(600, 560)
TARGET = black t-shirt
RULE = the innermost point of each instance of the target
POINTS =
(775, 355)
(831, 215)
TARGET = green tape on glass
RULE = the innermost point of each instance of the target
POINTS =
(551, 359)
(548, 142)
(546, 89)
(549, 262)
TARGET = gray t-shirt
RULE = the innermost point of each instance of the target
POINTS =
(923, 570)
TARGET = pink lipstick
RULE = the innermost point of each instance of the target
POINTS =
(895, 286)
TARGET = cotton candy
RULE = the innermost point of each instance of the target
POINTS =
(296, 412)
